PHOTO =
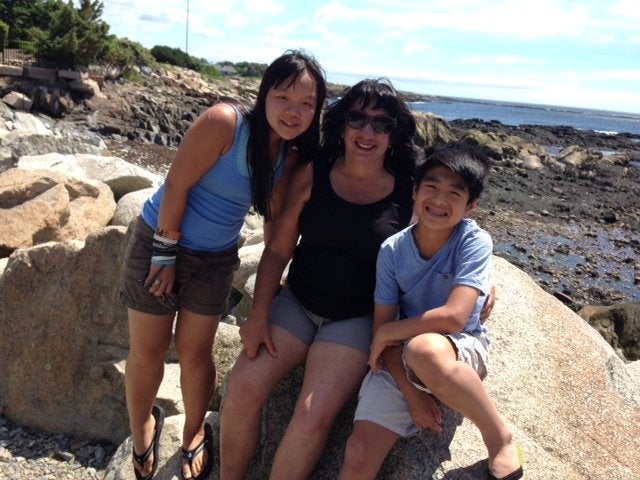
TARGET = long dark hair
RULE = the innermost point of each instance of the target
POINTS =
(286, 68)
(379, 93)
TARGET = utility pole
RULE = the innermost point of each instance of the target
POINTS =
(186, 48)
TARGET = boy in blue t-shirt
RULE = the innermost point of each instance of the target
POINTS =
(434, 276)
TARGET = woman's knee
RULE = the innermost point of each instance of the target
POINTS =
(245, 388)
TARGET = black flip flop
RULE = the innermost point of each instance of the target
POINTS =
(207, 444)
(158, 414)
(515, 475)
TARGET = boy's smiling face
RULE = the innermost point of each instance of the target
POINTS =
(442, 199)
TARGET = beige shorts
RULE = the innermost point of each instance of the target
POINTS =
(381, 401)
(470, 349)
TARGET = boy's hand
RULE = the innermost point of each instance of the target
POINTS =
(380, 341)
(424, 410)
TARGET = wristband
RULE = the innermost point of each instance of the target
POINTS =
(163, 260)
(164, 251)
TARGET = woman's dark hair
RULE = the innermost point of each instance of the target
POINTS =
(283, 70)
(380, 93)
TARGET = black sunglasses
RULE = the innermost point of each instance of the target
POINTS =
(381, 124)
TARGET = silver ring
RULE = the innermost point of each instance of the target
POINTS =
(156, 282)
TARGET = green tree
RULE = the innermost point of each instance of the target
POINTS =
(4, 33)
(123, 52)
(75, 37)
(21, 15)
(175, 56)
(250, 69)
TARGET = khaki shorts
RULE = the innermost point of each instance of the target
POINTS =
(203, 279)
(381, 401)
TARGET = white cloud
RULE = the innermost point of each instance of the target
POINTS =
(501, 59)
(623, 75)
(264, 6)
(415, 47)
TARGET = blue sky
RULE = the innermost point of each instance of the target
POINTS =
(555, 52)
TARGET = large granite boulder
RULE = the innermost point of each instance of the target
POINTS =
(64, 340)
(572, 404)
(121, 176)
(41, 205)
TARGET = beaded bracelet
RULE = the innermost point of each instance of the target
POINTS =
(169, 234)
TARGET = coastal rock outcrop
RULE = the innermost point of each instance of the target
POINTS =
(547, 400)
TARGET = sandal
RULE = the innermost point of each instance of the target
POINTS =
(515, 475)
(158, 414)
(207, 443)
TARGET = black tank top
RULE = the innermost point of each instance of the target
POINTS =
(333, 268)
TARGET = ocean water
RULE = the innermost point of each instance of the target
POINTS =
(529, 114)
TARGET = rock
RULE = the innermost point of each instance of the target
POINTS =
(122, 177)
(129, 206)
(573, 419)
(18, 100)
(249, 259)
(431, 130)
(38, 144)
(41, 206)
(61, 322)
(66, 328)
(27, 124)
(618, 324)
(86, 86)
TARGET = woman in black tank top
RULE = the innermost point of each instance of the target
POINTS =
(355, 193)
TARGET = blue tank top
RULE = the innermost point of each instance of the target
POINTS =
(218, 203)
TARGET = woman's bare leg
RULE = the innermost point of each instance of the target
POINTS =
(149, 339)
(250, 384)
(333, 374)
(195, 334)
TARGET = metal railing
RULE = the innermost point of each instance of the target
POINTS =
(18, 53)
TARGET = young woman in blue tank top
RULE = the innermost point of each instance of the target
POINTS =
(183, 249)
(356, 193)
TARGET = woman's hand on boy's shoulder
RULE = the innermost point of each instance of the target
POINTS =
(489, 303)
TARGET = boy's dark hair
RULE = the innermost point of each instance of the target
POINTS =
(464, 160)
(286, 68)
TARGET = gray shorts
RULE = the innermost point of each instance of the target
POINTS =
(203, 279)
(287, 312)
(381, 401)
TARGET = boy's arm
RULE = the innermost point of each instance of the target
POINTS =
(449, 318)
(422, 407)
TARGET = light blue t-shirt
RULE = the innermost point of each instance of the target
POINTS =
(218, 203)
(406, 279)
